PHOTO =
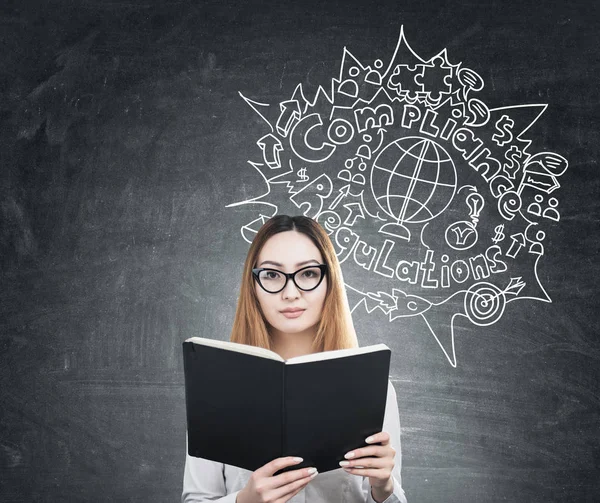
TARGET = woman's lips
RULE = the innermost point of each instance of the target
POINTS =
(292, 314)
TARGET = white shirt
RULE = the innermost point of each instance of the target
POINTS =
(206, 480)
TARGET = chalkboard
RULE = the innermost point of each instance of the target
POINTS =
(449, 149)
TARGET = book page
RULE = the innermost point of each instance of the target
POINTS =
(339, 353)
(235, 346)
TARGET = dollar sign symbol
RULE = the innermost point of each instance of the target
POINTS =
(302, 174)
(499, 230)
(503, 125)
(513, 156)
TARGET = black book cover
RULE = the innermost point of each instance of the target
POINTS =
(245, 410)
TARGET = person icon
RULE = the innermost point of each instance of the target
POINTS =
(551, 212)
(535, 208)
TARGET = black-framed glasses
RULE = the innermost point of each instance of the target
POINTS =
(273, 280)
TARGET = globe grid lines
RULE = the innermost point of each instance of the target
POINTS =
(415, 178)
(422, 180)
(422, 207)
(437, 177)
(413, 182)
(409, 151)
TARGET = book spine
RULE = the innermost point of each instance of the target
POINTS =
(283, 413)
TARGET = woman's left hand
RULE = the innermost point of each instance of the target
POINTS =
(377, 462)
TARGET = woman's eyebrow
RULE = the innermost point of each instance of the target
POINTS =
(281, 265)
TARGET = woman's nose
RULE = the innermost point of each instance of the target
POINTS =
(290, 290)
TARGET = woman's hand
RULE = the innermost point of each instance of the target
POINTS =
(264, 487)
(375, 462)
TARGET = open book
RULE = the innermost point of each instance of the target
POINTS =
(246, 405)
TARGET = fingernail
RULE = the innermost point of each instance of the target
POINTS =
(297, 459)
(344, 463)
(311, 470)
(369, 439)
(349, 455)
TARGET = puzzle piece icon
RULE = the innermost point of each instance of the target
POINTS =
(436, 80)
(403, 81)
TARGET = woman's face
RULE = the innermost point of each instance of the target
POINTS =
(289, 251)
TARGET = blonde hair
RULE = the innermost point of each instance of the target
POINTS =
(335, 329)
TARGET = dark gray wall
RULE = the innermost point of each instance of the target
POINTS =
(124, 138)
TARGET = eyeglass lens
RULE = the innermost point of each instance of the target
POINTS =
(306, 279)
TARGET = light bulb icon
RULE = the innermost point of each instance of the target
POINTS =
(475, 202)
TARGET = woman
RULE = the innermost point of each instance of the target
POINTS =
(292, 301)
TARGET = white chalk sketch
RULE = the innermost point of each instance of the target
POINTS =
(456, 204)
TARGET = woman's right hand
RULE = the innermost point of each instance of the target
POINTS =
(263, 487)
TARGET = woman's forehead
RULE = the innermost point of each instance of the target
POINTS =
(289, 248)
